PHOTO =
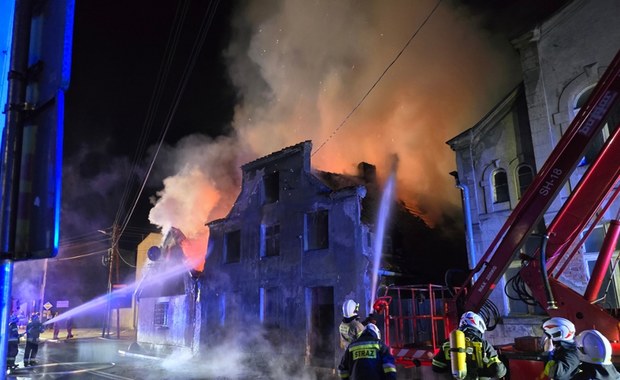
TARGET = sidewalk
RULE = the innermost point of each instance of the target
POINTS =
(85, 333)
(128, 345)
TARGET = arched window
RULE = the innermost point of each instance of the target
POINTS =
(525, 176)
(500, 186)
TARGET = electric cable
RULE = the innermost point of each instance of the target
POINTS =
(519, 289)
(378, 79)
(196, 48)
(204, 28)
(490, 313)
(161, 79)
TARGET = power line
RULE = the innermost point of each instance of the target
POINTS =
(378, 79)
(196, 48)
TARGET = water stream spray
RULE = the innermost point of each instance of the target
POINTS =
(382, 219)
(164, 272)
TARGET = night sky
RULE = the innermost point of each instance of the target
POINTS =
(269, 75)
(118, 52)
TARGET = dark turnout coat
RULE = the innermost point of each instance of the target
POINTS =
(590, 371)
(367, 358)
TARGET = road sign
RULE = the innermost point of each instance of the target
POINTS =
(47, 306)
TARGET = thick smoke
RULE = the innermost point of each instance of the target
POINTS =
(300, 67)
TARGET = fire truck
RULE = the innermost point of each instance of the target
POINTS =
(418, 318)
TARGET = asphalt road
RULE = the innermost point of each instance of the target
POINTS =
(89, 356)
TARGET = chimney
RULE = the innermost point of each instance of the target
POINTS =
(367, 171)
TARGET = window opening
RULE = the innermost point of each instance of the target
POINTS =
(271, 187)
(317, 230)
(160, 317)
(525, 176)
(271, 240)
(500, 187)
(233, 247)
(269, 306)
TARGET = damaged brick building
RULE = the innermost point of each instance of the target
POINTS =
(296, 244)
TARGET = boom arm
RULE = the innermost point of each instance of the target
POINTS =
(546, 185)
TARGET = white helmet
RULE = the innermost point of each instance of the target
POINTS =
(593, 347)
(349, 308)
(374, 329)
(472, 319)
(559, 329)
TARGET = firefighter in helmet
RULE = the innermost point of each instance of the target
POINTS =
(350, 327)
(367, 358)
(13, 347)
(594, 351)
(562, 362)
(478, 360)
(33, 331)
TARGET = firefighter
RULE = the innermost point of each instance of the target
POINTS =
(481, 359)
(13, 347)
(350, 327)
(33, 331)
(594, 351)
(563, 361)
(367, 358)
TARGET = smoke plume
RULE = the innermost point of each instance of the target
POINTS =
(301, 67)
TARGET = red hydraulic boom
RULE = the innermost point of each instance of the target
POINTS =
(584, 201)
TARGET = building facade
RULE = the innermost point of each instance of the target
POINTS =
(167, 312)
(289, 253)
(562, 60)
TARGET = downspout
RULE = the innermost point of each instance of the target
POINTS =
(469, 231)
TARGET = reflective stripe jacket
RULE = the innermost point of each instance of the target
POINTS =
(33, 330)
(13, 333)
(482, 359)
(350, 329)
(367, 358)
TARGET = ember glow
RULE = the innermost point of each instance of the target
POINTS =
(300, 67)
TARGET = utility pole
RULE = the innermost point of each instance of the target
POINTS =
(113, 266)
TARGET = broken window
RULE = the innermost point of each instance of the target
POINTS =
(271, 187)
(322, 327)
(160, 317)
(317, 228)
(269, 307)
(500, 186)
(271, 241)
(232, 252)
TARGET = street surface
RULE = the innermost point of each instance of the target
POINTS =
(89, 356)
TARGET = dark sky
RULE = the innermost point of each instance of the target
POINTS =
(118, 51)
